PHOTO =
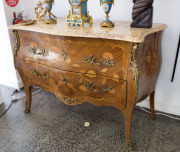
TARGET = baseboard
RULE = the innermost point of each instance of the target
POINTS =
(1, 98)
(20, 84)
(163, 107)
(16, 85)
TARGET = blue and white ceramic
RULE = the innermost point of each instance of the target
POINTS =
(107, 5)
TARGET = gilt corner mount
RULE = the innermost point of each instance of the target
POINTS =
(17, 45)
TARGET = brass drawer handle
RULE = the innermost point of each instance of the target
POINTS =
(91, 59)
(43, 52)
(91, 86)
(36, 73)
(64, 80)
(68, 100)
(107, 62)
(64, 55)
(46, 76)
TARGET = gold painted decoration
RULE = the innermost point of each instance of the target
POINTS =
(133, 63)
(17, 45)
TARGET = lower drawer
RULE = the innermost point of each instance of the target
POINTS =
(38, 75)
(74, 88)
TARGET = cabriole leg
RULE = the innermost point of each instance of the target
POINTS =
(128, 116)
(28, 98)
(128, 131)
(152, 104)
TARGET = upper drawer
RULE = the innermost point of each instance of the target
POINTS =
(84, 55)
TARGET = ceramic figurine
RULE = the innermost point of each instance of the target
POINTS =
(142, 14)
(42, 9)
(79, 14)
(48, 7)
(107, 4)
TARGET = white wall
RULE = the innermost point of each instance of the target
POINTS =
(165, 11)
(8, 75)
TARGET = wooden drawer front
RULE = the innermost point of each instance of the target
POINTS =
(84, 55)
(37, 75)
(73, 87)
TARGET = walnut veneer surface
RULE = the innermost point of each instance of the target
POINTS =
(110, 67)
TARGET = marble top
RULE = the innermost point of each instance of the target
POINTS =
(121, 31)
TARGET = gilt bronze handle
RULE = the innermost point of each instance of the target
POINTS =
(107, 62)
(104, 88)
(17, 45)
(64, 55)
(91, 59)
(64, 80)
(34, 50)
(46, 76)
(68, 100)
(36, 73)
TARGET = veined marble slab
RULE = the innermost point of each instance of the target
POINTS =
(121, 31)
